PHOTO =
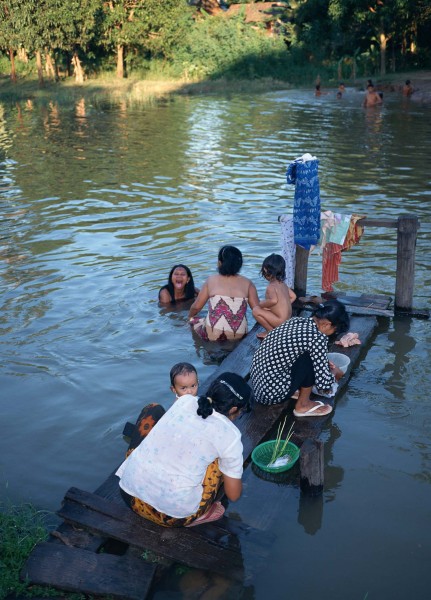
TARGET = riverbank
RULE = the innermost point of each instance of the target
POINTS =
(144, 90)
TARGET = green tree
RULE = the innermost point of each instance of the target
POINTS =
(9, 32)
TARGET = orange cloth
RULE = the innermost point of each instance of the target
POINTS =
(331, 256)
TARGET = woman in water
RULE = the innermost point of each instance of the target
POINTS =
(180, 286)
(227, 294)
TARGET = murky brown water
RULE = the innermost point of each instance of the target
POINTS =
(98, 202)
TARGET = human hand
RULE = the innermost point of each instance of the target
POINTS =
(336, 371)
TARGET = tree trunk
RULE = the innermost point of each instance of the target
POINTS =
(120, 61)
(12, 65)
(21, 53)
(39, 68)
(68, 65)
(79, 73)
(383, 43)
(51, 71)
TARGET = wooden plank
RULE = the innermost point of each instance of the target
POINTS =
(77, 570)
(239, 360)
(187, 546)
(384, 222)
(311, 464)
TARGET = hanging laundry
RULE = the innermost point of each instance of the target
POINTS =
(331, 256)
(288, 248)
(333, 228)
(303, 173)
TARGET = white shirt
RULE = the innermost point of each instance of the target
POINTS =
(167, 469)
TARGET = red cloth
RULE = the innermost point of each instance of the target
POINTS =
(331, 257)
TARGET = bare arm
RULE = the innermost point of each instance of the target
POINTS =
(253, 298)
(232, 488)
(200, 301)
(271, 298)
(164, 297)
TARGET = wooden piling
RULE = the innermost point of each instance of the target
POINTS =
(311, 465)
(301, 268)
(408, 226)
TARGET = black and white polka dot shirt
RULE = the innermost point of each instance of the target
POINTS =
(272, 361)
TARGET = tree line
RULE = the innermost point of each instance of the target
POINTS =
(196, 39)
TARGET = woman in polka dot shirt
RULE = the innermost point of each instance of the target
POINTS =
(294, 356)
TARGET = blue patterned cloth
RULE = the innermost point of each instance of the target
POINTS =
(306, 208)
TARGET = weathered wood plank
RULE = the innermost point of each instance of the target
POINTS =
(187, 546)
(311, 465)
(77, 570)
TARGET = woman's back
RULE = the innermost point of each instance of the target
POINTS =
(234, 286)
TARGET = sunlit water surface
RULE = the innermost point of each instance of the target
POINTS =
(99, 201)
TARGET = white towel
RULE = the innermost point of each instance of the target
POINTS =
(288, 248)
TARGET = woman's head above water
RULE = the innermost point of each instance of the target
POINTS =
(229, 260)
(331, 317)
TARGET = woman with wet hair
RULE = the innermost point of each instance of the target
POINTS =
(175, 467)
(180, 286)
(228, 293)
(294, 357)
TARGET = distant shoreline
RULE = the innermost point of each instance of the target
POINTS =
(141, 90)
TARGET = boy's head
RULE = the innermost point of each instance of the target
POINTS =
(184, 379)
(274, 267)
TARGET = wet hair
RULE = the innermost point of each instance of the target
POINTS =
(317, 86)
(407, 81)
(230, 259)
(275, 266)
(225, 392)
(335, 312)
(181, 368)
(369, 82)
(189, 290)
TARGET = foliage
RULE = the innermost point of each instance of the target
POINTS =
(360, 36)
(21, 528)
(218, 47)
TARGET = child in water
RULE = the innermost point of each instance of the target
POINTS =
(184, 380)
(277, 306)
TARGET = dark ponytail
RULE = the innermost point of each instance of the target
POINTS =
(225, 392)
(335, 312)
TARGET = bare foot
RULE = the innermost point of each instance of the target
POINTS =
(315, 409)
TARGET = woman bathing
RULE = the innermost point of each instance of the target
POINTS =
(180, 286)
(227, 294)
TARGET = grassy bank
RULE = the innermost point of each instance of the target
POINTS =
(132, 89)
(21, 528)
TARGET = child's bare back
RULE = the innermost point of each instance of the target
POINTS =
(278, 301)
(277, 306)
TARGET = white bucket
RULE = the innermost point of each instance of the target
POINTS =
(340, 360)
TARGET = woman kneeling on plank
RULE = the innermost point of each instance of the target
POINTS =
(294, 356)
(178, 459)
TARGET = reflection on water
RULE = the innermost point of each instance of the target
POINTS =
(98, 202)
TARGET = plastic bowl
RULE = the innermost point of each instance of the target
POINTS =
(262, 455)
(340, 360)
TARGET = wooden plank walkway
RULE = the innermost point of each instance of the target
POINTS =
(220, 546)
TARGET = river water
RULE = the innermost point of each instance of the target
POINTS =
(99, 200)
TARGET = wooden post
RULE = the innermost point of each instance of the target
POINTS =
(408, 226)
(311, 467)
(301, 267)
